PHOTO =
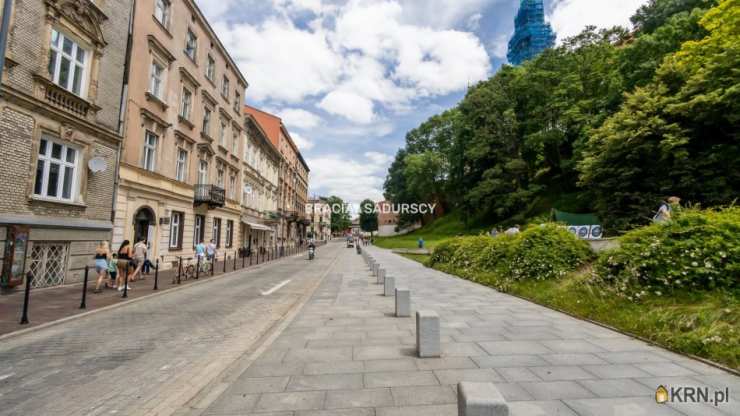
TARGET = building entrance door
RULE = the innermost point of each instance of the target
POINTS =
(144, 223)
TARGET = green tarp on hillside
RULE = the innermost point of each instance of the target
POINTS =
(574, 219)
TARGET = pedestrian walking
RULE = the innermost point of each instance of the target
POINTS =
(211, 251)
(113, 270)
(140, 252)
(665, 211)
(102, 254)
(125, 254)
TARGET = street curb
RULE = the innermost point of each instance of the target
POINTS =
(213, 390)
(601, 324)
(131, 301)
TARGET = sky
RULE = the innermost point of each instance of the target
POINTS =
(349, 78)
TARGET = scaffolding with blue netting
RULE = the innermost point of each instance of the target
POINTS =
(532, 34)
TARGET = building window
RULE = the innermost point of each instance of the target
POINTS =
(206, 121)
(191, 45)
(211, 68)
(202, 172)
(181, 168)
(222, 134)
(186, 103)
(150, 151)
(200, 229)
(229, 233)
(48, 264)
(176, 229)
(216, 232)
(234, 142)
(156, 80)
(162, 12)
(220, 176)
(232, 186)
(225, 87)
(237, 101)
(56, 171)
(67, 63)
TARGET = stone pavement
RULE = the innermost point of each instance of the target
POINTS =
(346, 354)
(152, 356)
(51, 304)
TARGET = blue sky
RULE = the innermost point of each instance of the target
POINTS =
(351, 77)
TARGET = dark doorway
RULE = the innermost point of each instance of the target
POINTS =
(144, 223)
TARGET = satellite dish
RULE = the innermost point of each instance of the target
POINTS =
(247, 189)
(97, 164)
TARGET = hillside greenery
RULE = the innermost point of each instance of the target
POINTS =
(611, 122)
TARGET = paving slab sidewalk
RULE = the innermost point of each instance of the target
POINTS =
(346, 354)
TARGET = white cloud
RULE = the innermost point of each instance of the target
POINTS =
(356, 57)
(500, 45)
(282, 62)
(441, 13)
(303, 143)
(353, 180)
(349, 105)
(379, 158)
(570, 17)
(298, 118)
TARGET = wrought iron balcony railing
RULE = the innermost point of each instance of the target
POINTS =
(213, 195)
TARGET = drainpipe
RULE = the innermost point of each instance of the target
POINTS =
(122, 111)
(7, 9)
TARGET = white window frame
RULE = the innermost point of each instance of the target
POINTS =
(181, 165)
(47, 159)
(211, 68)
(207, 116)
(232, 186)
(222, 134)
(203, 172)
(229, 240)
(186, 103)
(149, 158)
(57, 54)
(199, 223)
(162, 9)
(234, 141)
(175, 229)
(190, 36)
(225, 86)
(157, 83)
(220, 176)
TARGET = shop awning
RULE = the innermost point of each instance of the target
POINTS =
(255, 226)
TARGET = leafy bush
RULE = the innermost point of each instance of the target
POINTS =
(697, 250)
(546, 252)
(541, 252)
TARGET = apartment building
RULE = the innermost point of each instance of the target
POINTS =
(60, 104)
(292, 179)
(319, 215)
(261, 163)
(182, 154)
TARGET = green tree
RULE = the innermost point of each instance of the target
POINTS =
(340, 219)
(368, 217)
(676, 136)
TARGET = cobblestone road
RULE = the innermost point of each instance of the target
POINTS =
(152, 356)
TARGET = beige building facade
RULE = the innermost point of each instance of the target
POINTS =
(59, 135)
(181, 160)
(292, 180)
(260, 194)
(318, 212)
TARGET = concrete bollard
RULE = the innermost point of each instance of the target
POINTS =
(403, 303)
(480, 399)
(381, 276)
(427, 334)
(376, 267)
(389, 285)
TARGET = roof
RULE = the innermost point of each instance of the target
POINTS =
(272, 126)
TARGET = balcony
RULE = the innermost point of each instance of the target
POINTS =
(212, 195)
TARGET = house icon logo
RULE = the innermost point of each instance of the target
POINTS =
(661, 395)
